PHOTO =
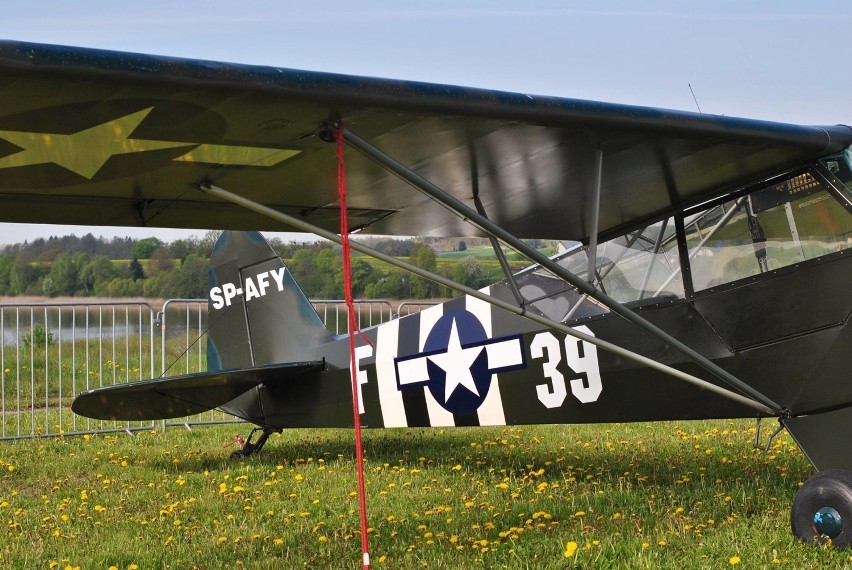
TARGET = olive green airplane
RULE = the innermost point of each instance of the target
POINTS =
(705, 272)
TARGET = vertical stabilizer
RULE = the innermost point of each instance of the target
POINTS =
(257, 312)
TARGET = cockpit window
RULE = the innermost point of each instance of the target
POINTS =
(779, 225)
(639, 267)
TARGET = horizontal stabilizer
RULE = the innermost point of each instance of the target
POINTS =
(184, 395)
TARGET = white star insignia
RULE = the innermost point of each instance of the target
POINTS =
(456, 362)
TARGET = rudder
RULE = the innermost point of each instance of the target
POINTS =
(257, 312)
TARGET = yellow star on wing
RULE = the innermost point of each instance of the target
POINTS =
(83, 152)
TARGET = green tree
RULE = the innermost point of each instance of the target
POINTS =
(22, 273)
(62, 279)
(143, 248)
(123, 287)
(136, 270)
(96, 272)
(393, 286)
(162, 260)
(181, 248)
(6, 264)
(362, 274)
(304, 270)
(190, 281)
(422, 288)
(329, 277)
(157, 286)
(206, 243)
(468, 271)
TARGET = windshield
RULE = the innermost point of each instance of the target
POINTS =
(788, 222)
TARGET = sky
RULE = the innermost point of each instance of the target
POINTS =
(777, 60)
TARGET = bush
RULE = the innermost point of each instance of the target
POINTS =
(39, 337)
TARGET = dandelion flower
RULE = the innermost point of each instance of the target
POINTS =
(570, 549)
(734, 560)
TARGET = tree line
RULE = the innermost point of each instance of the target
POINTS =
(72, 266)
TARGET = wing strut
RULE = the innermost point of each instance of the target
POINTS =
(304, 226)
(490, 228)
(594, 216)
(498, 251)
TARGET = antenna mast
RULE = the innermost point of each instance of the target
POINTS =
(694, 98)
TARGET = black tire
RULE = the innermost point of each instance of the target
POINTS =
(828, 493)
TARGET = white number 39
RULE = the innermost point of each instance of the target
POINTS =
(582, 359)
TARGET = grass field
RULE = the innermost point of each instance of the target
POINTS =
(664, 495)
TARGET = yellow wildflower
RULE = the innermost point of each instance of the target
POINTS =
(570, 549)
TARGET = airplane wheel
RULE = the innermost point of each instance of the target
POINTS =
(822, 508)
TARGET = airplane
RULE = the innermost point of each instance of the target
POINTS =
(706, 273)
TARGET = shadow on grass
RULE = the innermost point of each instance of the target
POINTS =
(566, 453)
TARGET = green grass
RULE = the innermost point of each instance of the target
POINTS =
(47, 378)
(670, 495)
(42, 374)
(486, 252)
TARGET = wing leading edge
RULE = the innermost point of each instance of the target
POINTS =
(184, 395)
(133, 136)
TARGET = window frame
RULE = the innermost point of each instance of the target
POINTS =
(834, 187)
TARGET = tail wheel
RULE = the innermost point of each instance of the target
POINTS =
(822, 508)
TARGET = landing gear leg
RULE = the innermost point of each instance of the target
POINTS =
(249, 448)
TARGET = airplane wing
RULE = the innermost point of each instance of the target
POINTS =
(179, 396)
(106, 138)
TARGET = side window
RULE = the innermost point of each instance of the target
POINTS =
(641, 264)
(776, 226)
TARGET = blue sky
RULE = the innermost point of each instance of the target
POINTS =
(777, 60)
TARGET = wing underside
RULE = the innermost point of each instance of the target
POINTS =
(185, 395)
(133, 137)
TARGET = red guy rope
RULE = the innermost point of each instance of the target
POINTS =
(347, 291)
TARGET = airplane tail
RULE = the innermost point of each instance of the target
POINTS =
(261, 333)
(258, 314)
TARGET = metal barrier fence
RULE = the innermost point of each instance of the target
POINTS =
(410, 307)
(50, 352)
